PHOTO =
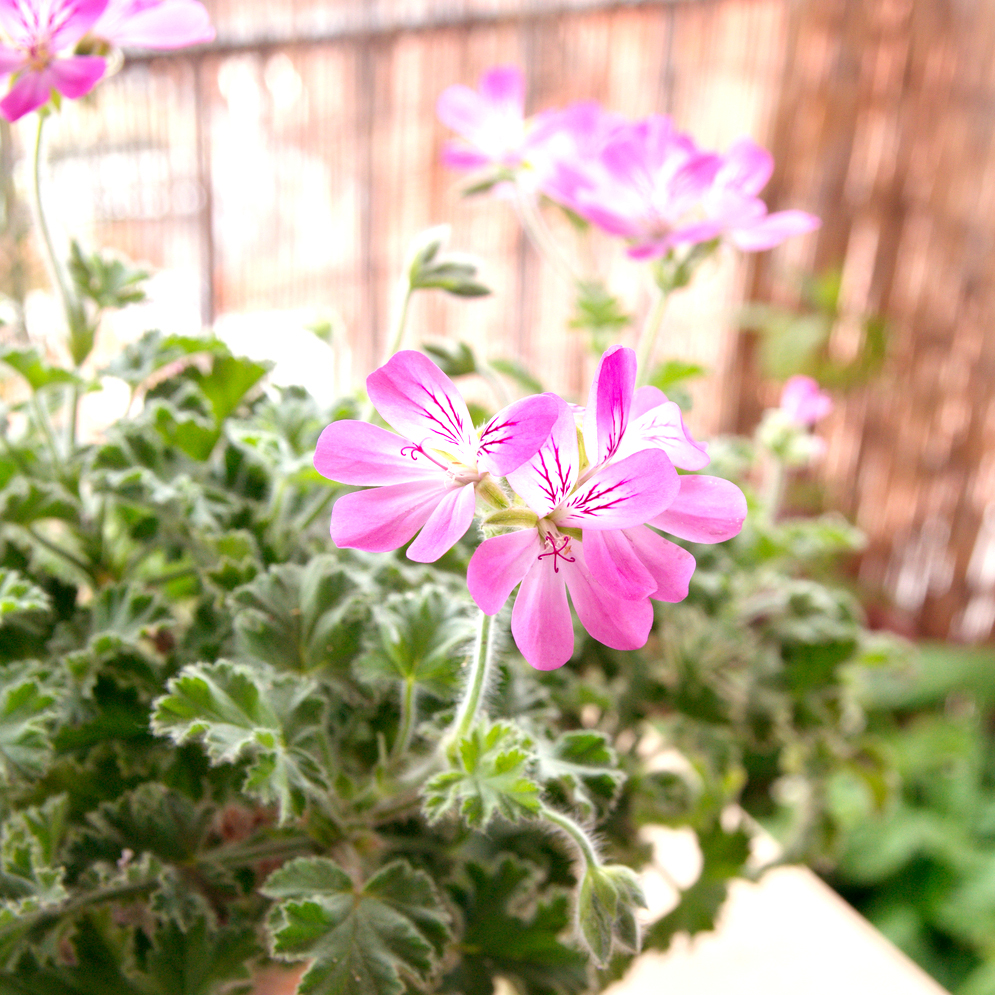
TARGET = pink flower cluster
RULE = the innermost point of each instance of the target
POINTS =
(580, 516)
(642, 181)
(43, 35)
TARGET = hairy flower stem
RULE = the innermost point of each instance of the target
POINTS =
(404, 291)
(75, 315)
(772, 491)
(648, 336)
(406, 728)
(575, 832)
(539, 235)
(480, 669)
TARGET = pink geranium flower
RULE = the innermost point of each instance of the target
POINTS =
(154, 24)
(426, 476)
(620, 421)
(490, 120)
(645, 185)
(548, 559)
(803, 402)
(40, 32)
(733, 203)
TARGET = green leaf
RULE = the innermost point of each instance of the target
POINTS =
(455, 359)
(497, 942)
(514, 369)
(197, 960)
(106, 961)
(139, 360)
(25, 501)
(675, 371)
(599, 313)
(454, 272)
(36, 370)
(152, 819)
(237, 713)
(19, 595)
(230, 379)
(419, 638)
(304, 619)
(361, 940)
(585, 768)
(27, 712)
(108, 282)
(30, 840)
(494, 777)
(121, 615)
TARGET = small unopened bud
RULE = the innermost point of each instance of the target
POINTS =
(606, 910)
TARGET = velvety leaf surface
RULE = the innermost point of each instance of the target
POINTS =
(240, 714)
(493, 778)
(363, 940)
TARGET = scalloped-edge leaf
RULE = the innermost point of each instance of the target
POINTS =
(361, 940)
(238, 713)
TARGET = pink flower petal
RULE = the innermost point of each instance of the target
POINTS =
(670, 565)
(663, 428)
(498, 565)
(540, 620)
(458, 155)
(746, 167)
(644, 399)
(621, 624)
(11, 59)
(69, 20)
(418, 400)
(625, 493)
(384, 518)
(706, 509)
(516, 433)
(461, 109)
(546, 479)
(608, 404)
(30, 92)
(447, 524)
(504, 87)
(615, 566)
(773, 230)
(355, 452)
(803, 401)
(167, 24)
(76, 77)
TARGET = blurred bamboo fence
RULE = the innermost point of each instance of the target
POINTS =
(288, 165)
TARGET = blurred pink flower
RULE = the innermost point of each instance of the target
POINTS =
(424, 478)
(645, 184)
(803, 402)
(40, 31)
(490, 120)
(154, 24)
(732, 201)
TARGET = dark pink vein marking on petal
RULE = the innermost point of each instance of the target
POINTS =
(597, 498)
(558, 552)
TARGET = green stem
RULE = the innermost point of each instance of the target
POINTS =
(575, 832)
(170, 575)
(400, 317)
(773, 487)
(540, 236)
(407, 725)
(45, 917)
(59, 551)
(45, 424)
(249, 851)
(480, 668)
(326, 499)
(75, 317)
(648, 336)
